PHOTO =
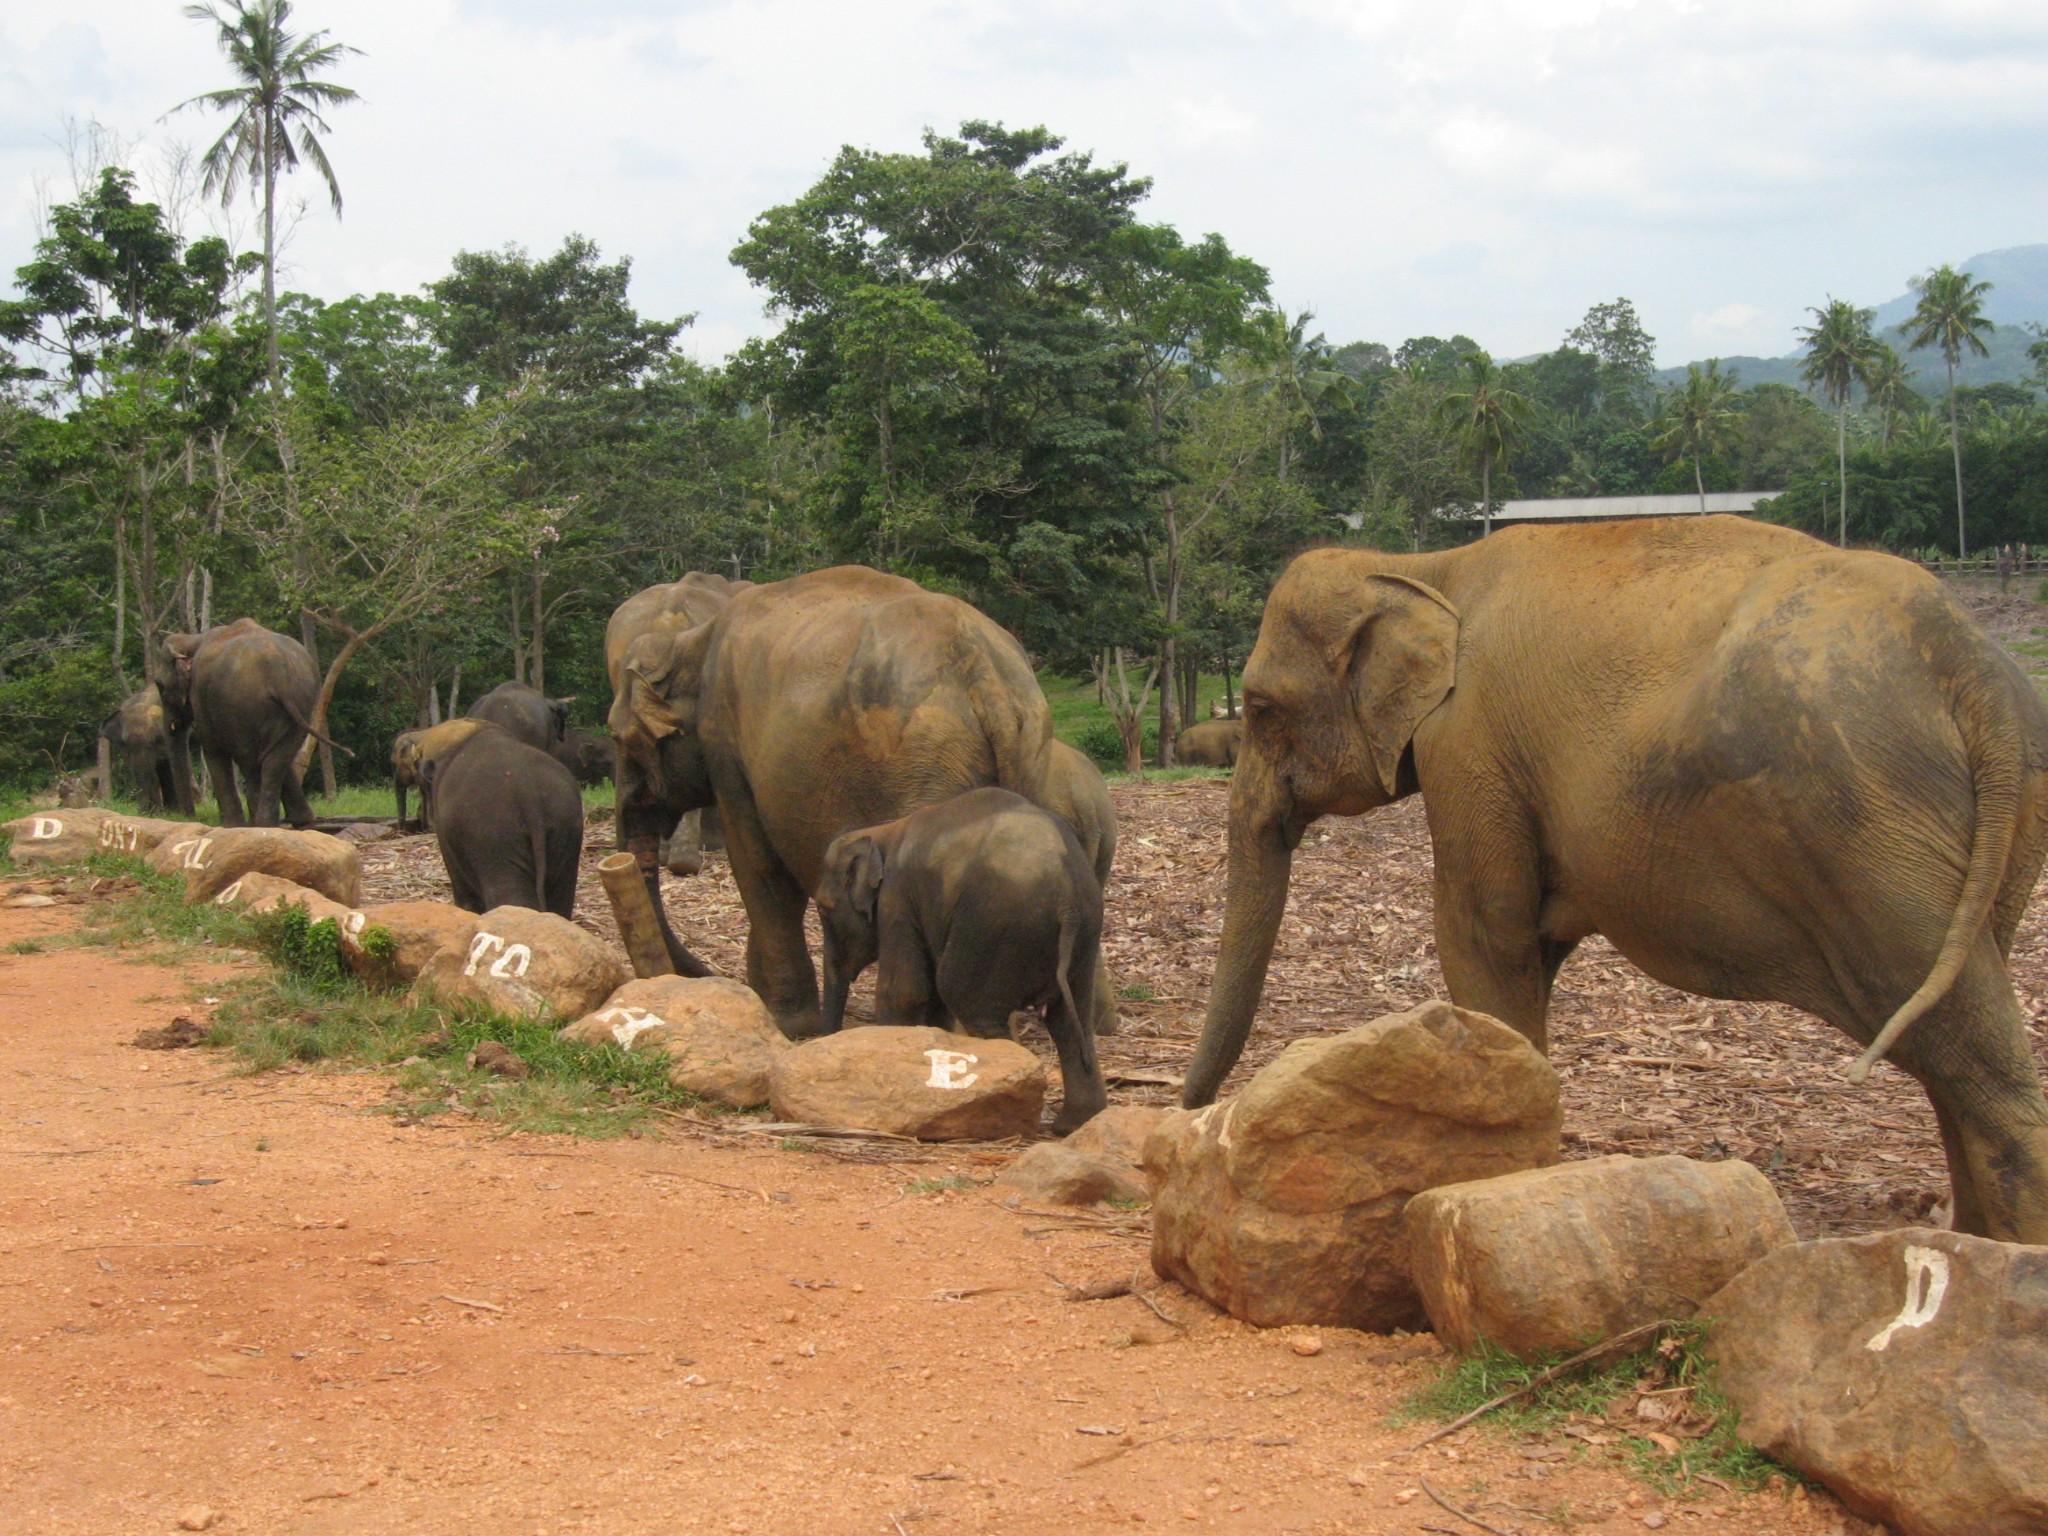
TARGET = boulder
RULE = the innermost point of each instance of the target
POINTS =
(519, 962)
(1058, 1173)
(719, 1037)
(1118, 1133)
(1284, 1204)
(418, 930)
(267, 893)
(910, 1081)
(1907, 1371)
(55, 837)
(212, 858)
(137, 834)
(1550, 1260)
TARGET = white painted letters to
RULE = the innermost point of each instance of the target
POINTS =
(1926, 1284)
(227, 897)
(949, 1069)
(512, 961)
(630, 1023)
(353, 923)
(194, 851)
(46, 827)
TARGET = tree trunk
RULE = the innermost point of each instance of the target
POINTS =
(1699, 481)
(538, 673)
(328, 684)
(1169, 647)
(1842, 473)
(1955, 442)
(455, 693)
(518, 644)
(121, 607)
(105, 760)
(266, 128)
(1229, 698)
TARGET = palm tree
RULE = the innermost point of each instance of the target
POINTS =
(1295, 366)
(1950, 315)
(275, 95)
(1889, 386)
(1839, 353)
(1487, 419)
(1697, 418)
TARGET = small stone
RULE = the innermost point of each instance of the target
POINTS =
(1656, 1520)
(1306, 1344)
(1055, 1173)
(495, 1057)
(29, 901)
(197, 1518)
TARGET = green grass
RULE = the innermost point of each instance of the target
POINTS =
(1081, 720)
(1588, 1394)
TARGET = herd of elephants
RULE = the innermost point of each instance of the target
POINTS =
(1764, 768)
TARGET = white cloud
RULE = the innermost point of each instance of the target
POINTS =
(1486, 166)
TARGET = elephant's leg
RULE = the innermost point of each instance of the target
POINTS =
(1493, 956)
(1970, 1053)
(779, 965)
(271, 772)
(222, 767)
(685, 853)
(906, 983)
(298, 810)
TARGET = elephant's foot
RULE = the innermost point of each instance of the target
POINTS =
(803, 1024)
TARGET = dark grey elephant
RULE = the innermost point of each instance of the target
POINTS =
(587, 754)
(138, 731)
(530, 715)
(246, 694)
(509, 821)
(1212, 744)
(410, 753)
(976, 908)
(1076, 792)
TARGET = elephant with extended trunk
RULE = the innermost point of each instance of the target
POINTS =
(138, 729)
(1765, 769)
(805, 708)
(413, 751)
(247, 694)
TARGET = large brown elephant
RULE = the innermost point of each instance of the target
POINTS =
(808, 707)
(247, 694)
(137, 727)
(1764, 768)
(1212, 744)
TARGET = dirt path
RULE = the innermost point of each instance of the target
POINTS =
(240, 1293)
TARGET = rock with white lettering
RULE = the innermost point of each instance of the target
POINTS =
(210, 859)
(910, 1081)
(268, 893)
(1907, 1371)
(1284, 1204)
(55, 837)
(523, 964)
(398, 938)
(137, 834)
(718, 1036)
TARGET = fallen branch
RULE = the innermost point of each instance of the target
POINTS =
(463, 1301)
(1543, 1379)
(1160, 1312)
(1461, 1514)
(1095, 1290)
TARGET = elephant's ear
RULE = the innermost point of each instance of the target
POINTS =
(865, 867)
(658, 684)
(1402, 654)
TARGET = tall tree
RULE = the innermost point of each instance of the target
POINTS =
(274, 98)
(1950, 315)
(1889, 387)
(1840, 354)
(1486, 418)
(1698, 418)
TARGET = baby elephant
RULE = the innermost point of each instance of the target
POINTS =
(509, 820)
(976, 907)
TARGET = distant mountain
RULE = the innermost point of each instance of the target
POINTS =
(2019, 296)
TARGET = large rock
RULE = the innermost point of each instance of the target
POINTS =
(719, 1037)
(911, 1081)
(418, 930)
(137, 834)
(1118, 1133)
(1907, 1371)
(1284, 1204)
(1553, 1259)
(55, 837)
(267, 893)
(1058, 1173)
(519, 962)
(212, 858)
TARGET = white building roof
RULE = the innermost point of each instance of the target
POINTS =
(1627, 506)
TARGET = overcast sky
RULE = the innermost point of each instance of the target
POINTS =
(1401, 166)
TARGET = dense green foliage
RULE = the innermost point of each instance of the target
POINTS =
(990, 373)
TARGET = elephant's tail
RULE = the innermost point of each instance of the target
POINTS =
(1998, 762)
(1068, 926)
(307, 726)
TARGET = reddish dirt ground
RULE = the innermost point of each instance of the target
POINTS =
(257, 1296)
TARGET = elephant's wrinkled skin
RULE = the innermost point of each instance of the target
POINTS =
(412, 750)
(246, 693)
(1212, 744)
(1764, 768)
(808, 707)
(509, 821)
(1076, 792)
(526, 713)
(978, 907)
(138, 729)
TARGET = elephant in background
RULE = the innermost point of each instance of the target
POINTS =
(586, 754)
(412, 750)
(1764, 768)
(530, 715)
(509, 822)
(1212, 744)
(247, 694)
(838, 699)
(138, 729)
(977, 907)
(1076, 792)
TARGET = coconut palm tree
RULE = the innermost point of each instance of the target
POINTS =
(1889, 386)
(1950, 315)
(1296, 367)
(275, 96)
(1487, 420)
(1839, 354)
(1697, 418)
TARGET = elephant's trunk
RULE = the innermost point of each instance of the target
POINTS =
(837, 984)
(398, 787)
(646, 850)
(181, 771)
(1261, 860)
